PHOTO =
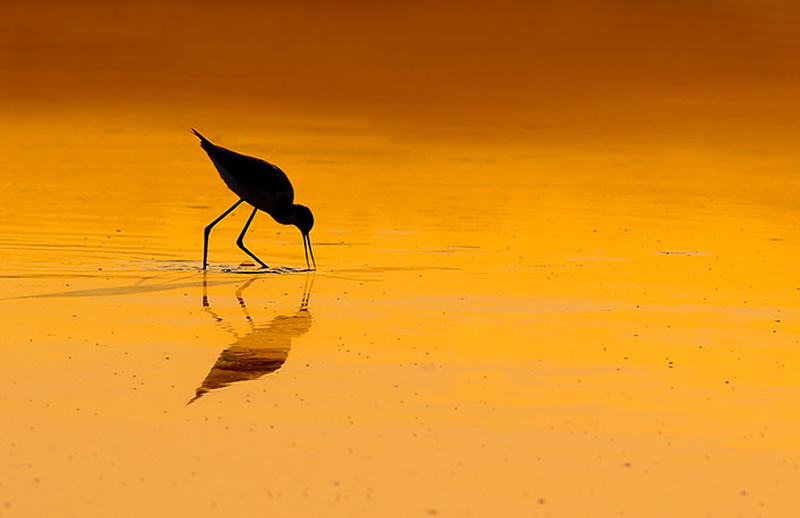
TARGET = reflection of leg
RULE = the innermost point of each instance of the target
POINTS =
(205, 290)
(207, 309)
(307, 292)
(240, 241)
(207, 231)
(240, 298)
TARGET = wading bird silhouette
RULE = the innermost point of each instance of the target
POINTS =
(262, 185)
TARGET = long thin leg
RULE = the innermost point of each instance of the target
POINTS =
(240, 241)
(207, 231)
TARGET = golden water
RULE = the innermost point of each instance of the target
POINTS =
(492, 330)
(557, 250)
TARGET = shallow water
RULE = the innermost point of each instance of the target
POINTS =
(581, 330)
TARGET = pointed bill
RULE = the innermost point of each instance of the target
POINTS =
(307, 250)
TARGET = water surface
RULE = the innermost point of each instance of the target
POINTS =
(489, 332)
(557, 250)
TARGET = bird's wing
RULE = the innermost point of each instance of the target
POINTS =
(253, 172)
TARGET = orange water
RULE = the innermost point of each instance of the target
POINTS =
(557, 254)
(491, 331)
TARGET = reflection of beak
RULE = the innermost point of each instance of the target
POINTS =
(307, 250)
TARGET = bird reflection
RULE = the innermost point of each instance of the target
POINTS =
(261, 351)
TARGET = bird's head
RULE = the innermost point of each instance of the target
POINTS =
(303, 219)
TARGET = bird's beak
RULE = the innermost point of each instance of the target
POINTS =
(307, 250)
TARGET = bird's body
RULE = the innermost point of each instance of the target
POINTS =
(262, 185)
(257, 182)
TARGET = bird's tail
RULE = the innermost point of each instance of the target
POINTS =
(203, 140)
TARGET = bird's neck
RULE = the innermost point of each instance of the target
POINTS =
(285, 216)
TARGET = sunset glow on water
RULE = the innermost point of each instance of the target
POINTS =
(557, 252)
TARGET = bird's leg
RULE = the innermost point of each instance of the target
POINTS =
(240, 241)
(207, 231)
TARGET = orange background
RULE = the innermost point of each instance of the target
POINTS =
(600, 65)
(557, 247)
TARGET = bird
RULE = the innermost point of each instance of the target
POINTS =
(262, 185)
